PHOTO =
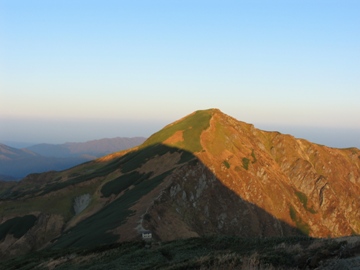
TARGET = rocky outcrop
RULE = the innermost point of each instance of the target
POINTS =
(206, 207)
(81, 202)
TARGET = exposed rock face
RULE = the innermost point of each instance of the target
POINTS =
(205, 174)
(206, 207)
(81, 202)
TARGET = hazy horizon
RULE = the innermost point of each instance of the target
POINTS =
(84, 70)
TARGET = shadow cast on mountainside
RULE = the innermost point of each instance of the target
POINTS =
(188, 200)
(199, 200)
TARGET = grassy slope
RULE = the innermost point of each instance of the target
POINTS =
(94, 230)
(49, 196)
(191, 126)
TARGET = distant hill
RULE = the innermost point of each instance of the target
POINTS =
(206, 174)
(10, 153)
(17, 163)
(93, 149)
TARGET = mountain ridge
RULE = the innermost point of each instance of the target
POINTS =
(8, 153)
(204, 174)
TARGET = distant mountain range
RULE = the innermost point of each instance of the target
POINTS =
(17, 163)
(206, 174)
(93, 149)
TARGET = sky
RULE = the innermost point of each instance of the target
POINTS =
(77, 70)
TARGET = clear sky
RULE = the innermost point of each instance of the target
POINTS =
(75, 70)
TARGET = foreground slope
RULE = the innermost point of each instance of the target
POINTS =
(210, 252)
(204, 174)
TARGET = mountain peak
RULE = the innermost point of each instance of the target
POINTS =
(285, 176)
(206, 173)
(184, 133)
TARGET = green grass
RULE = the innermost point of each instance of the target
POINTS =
(226, 164)
(300, 224)
(304, 201)
(253, 156)
(302, 197)
(192, 127)
(245, 163)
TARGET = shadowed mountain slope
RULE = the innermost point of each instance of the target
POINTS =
(204, 174)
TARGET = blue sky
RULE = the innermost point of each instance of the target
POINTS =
(85, 69)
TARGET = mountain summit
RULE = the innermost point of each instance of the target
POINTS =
(204, 174)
